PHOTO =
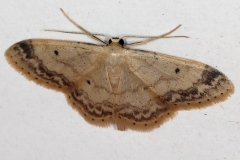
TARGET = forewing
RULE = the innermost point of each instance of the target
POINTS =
(66, 66)
(178, 80)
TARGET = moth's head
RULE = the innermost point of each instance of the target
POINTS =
(116, 41)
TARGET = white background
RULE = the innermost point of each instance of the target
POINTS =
(37, 123)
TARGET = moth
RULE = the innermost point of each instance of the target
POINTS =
(113, 84)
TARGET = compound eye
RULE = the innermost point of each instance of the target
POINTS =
(110, 41)
(121, 41)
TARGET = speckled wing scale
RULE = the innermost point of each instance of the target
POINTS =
(110, 84)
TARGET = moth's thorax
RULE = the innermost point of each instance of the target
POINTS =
(115, 61)
(116, 54)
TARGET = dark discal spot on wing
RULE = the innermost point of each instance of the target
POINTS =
(177, 70)
(56, 52)
(89, 82)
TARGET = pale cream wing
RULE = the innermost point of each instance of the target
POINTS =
(94, 94)
(137, 106)
(156, 85)
(71, 67)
